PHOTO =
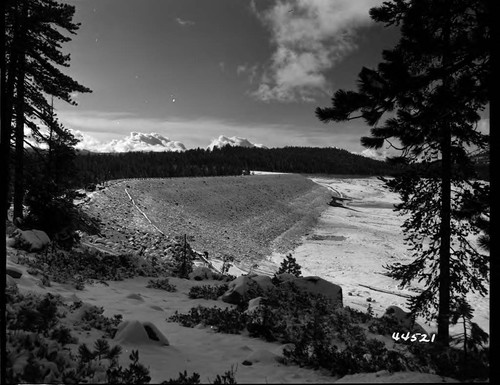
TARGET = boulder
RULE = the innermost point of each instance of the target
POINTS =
(263, 281)
(140, 333)
(254, 304)
(11, 281)
(317, 285)
(261, 355)
(245, 287)
(32, 240)
(11, 242)
(404, 319)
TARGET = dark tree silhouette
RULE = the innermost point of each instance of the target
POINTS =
(4, 182)
(95, 167)
(34, 42)
(429, 89)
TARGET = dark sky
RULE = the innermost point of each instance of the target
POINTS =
(192, 70)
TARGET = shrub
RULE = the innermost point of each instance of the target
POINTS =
(136, 373)
(451, 361)
(36, 354)
(228, 277)
(264, 323)
(33, 312)
(289, 265)
(162, 284)
(226, 264)
(184, 379)
(93, 317)
(83, 265)
(183, 257)
(208, 291)
(63, 335)
(226, 378)
(230, 321)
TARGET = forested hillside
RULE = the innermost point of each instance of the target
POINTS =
(94, 167)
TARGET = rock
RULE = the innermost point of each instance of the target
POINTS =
(11, 281)
(404, 319)
(317, 285)
(11, 242)
(254, 304)
(280, 350)
(261, 355)
(14, 272)
(245, 287)
(263, 281)
(32, 240)
(139, 333)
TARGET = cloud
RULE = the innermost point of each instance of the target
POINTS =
(198, 132)
(249, 71)
(234, 141)
(184, 23)
(106, 126)
(136, 141)
(310, 37)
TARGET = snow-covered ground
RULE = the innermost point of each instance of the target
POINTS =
(350, 247)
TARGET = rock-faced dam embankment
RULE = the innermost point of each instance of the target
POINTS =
(247, 217)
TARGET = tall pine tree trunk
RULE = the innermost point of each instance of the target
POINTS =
(445, 227)
(8, 81)
(445, 230)
(4, 183)
(19, 105)
(19, 153)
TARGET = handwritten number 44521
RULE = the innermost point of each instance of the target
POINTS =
(420, 337)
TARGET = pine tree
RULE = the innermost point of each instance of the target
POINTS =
(33, 52)
(429, 89)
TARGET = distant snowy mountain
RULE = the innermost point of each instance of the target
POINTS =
(137, 141)
(233, 141)
(373, 154)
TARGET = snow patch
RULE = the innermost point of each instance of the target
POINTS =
(233, 141)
